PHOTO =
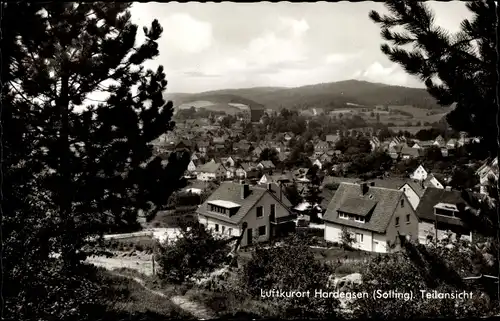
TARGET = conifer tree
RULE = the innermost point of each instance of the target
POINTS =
(456, 68)
(75, 170)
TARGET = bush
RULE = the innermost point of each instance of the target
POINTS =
(270, 268)
(195, 252)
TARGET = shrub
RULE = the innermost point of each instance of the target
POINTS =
(270, 268)
(194, 252)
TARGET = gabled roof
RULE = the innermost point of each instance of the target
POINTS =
(275, 190)
(210, 167)
(358, 206)
(247, 167)
(321, 144)
(231, 192)
(387, 201)
(410, 151)
(267, 164)
(416, 186)
(433, 196)
(332, 138)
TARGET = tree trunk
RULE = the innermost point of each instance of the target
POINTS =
(67, 248)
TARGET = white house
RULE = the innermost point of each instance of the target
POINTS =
(317, 162)
(439, 141)
(211, 171)
(191, 166)
(413, 191)
(228, 162)
(485, 172)
(233, 205)
(374, 216)
(419, 174)
(432, 181)
(374, 143)
(265, 179)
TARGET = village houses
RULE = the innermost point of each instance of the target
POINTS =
(374, 216)
(233, 204)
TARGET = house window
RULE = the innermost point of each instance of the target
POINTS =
(342, 215)
(216, 227)
(402, 203)
(359, 237)
(262, 230)
(407, 218)
(273, 209)
(223, 229)
(359, 219)
(260, 211)
(230, 231)
(397, 221)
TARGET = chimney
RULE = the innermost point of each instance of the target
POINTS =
(245, 190)
(447, 188)
(364, 188)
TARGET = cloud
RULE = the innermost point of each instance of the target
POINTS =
(284, 44)
(187, 34)
(338, 58)
(199, 74)
(392, 75)
(297, 27)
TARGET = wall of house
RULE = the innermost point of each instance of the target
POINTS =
(379, 243)
(404, 228)
(419, 174)
(425, 229)
(204, 176)
(410, 195)
(254, 222)
(333, 233)
(241, 173)
(210, 223)
(436, 183)
(191, 167)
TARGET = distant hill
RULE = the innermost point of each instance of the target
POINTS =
(328, 96)
(213, 97)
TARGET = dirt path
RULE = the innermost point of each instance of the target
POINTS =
(193, 308)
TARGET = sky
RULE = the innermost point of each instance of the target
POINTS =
(210, 46)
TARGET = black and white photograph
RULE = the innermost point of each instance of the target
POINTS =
(323, 160)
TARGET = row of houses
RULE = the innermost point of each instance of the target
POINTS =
(227, 169)
(376, 216)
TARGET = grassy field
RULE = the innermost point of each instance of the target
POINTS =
(423, 115)
(130, 298)
(413, 130)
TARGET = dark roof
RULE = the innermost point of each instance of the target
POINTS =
(433, 196)
(410, 151)
(229, 191)
(267, 164)
(339, 180)
(358, 206)
(247, 167)
(326, 197)
(416, 186)
(392, 183)
(275, 190)
(210, 167)
(387, 201)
